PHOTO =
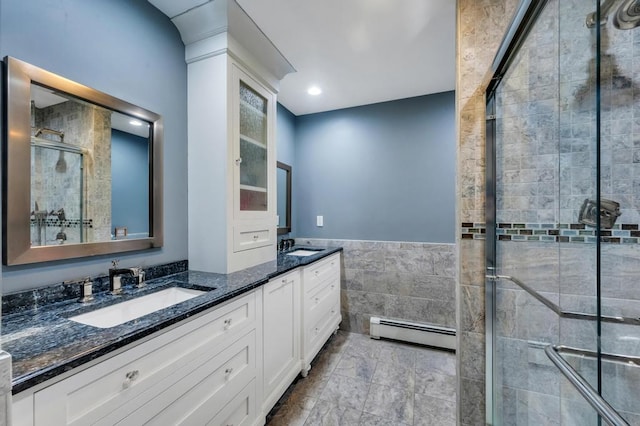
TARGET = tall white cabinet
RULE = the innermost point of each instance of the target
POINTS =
(233, 77)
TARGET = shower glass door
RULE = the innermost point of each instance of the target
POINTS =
(56, 193)
(563, 203)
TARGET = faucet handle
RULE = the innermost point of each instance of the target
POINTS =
(141, 277)
(86, 288)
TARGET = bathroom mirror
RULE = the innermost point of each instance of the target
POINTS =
(283, 178)
(82, 170)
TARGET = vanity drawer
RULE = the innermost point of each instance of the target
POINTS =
(319, 303)
(319, 330)
(320, 272)
(210, 386)
(241, 411)
(143, 372)
(246, 237)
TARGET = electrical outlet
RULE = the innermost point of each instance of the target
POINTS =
(320, 221)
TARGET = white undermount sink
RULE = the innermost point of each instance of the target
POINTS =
(303, 252)
(135, 308)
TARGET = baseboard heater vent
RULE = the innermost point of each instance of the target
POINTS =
(424, 334)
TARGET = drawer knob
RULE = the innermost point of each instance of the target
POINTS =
(317, 330)
(317, 299)
(255, 237)
(130, 377)
(317, 272)
(227, 323)
(228, 372)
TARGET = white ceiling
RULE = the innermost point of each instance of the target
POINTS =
(359, 51)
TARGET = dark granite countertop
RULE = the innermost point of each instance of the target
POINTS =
(43, 343)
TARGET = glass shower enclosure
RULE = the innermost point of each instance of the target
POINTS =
(563, 216)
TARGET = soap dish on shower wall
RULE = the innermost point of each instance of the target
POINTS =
(609, 212)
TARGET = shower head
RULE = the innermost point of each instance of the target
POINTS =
(626, 17)
(61, 164)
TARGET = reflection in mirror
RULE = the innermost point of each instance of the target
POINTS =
(89, 171)
(82, 170)
(284, 198)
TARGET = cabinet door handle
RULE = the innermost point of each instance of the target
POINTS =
(284, 283)
(228, 372)
(130, 377)
(255, 237)
(238, 161)
(227, 323)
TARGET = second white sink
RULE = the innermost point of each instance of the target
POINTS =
(135, 308)
(303, 252)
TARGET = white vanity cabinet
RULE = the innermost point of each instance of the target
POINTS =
(281, 345)
(226, 366)
(195, 373)
(320, 306)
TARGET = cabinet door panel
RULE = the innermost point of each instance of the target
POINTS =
(281, 334)
(253, 117)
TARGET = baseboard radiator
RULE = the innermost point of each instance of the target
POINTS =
(423, 334)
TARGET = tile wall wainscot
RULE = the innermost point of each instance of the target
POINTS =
(400, 280)
(480, 27)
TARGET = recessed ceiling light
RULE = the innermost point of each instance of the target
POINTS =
(135, 123)
(314, 90)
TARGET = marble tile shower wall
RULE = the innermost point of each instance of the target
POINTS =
(533, 390)
(546, 117)
(546, 168)
(400, 280)
(88, 127)
(480, 27)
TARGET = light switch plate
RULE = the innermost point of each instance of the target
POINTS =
(320, 221)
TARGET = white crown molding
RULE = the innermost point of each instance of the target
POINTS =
(215, 27)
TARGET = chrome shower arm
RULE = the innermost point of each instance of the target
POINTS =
(44, 130)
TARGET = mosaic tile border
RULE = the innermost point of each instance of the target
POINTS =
(553, 232)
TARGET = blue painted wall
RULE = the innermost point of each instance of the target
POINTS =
(130, 50)
(378, 172)
(285, 143)
(129, 182)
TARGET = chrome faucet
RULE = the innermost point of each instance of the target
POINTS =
(116, 274)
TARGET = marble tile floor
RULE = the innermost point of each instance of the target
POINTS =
(356, 380)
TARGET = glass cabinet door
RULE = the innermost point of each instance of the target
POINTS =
(253, 159)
